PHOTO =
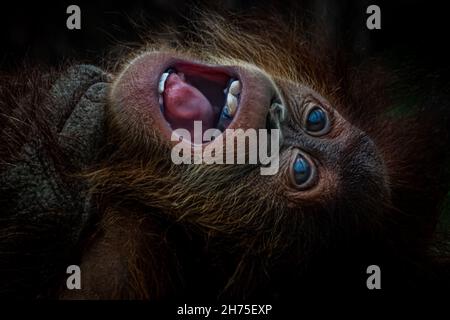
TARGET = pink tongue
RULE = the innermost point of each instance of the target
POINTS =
(183, 104)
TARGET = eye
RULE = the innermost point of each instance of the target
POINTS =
(316, 120)
(302, 170)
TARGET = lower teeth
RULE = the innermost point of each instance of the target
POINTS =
(229, 110)
(224, 119)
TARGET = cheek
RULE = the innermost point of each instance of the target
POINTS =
(132, 91)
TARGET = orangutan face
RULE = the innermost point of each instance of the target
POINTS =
(321, 154)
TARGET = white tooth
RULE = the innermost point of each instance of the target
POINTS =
(162, 82)
(231, 104)
(235, 87)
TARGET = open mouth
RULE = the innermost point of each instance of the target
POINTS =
(168, 95)
(191, 92)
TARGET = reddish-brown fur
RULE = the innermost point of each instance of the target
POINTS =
(163, 230)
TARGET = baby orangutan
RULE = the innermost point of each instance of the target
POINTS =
(88, 179)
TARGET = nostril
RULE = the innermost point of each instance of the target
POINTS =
(275, 115)
(269, 123)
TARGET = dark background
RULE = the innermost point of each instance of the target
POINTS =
(414, 30)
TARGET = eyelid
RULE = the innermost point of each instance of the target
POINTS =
(308, 105)
(314, 175)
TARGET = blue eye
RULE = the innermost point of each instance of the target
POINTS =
(301, 170)
(316, 120)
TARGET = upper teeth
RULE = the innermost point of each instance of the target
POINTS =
(232, 97)
(235, 87)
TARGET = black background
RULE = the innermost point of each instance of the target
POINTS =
(413, 30)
